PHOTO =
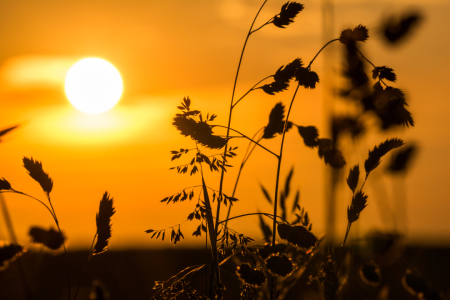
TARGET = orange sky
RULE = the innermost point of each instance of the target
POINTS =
(167, 50)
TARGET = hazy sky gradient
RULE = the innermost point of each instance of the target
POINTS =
(169, 49)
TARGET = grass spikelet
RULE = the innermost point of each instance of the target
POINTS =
(353, 178)
(379, 151)
(359, 202)
(297, 235)
(105, 212)
(280, 265)
(250, 276)
(4, 184)
(282, 77)
(199, 131)
(359, 33)
(401, 161)
(36, 172)
(51, 238)
(289, 11)
(268, 250)
(310, 135)
(276, 121)
(9, 253)
(330, 155)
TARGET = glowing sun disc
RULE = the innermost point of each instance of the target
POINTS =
(93, 85)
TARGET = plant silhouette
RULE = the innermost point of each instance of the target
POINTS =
(51, 238)
(275, 263)
(293, 253)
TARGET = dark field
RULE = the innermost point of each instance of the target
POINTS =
(131, 274)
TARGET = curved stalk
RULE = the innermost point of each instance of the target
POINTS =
(252, 89)
(231, 107)
(310, 63)
(268, 22)
(244, 136)
(365, 57)
(64, 244)
(252, 214)
(21, 193)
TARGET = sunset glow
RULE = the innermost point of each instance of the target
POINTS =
(93, 85)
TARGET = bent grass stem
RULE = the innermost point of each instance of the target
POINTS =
(317, 54)
(252, 214)
(64, 244)
(53, 213)
(231, 106)
(244, 136)
(252, 89)
(21, 193)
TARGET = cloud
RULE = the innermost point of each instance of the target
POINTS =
(35, 72)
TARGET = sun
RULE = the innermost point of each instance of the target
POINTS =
(93, 85)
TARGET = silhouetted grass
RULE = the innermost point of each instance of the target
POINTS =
(294, 254)
(280, 265)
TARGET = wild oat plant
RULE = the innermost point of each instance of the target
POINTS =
(51, 238)
(269, 271)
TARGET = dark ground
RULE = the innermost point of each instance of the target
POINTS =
(131, 274)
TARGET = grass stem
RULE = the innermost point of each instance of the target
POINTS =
(275, 202)
(85, 266)
(349, 224)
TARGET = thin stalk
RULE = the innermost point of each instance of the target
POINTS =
(339, 260)
(231, 108)
(365, 57)
(268, 22)
(12, 236)
(212, 236)
(310, 63)
(21, 193)
(275, 204)
(64, 244)
(216, 228)
(244, 160)
(85, 267)
(253, 214)
(244, 136)
(252, 89)
(206, 260)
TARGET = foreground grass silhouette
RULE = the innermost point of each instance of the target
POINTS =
(276, 262)
(294, 255)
